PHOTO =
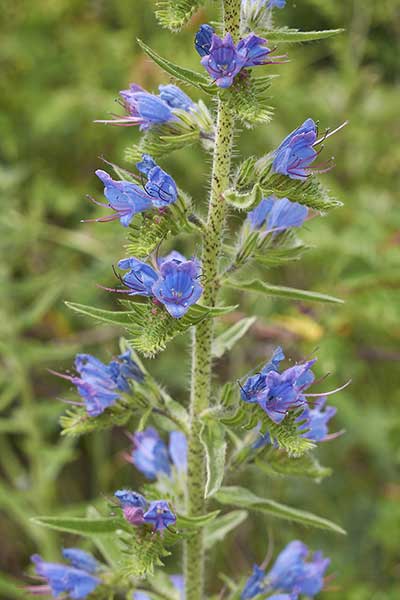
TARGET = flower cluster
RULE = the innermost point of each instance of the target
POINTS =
(148, 110)
(279, 392)
(224, 60)
(101, 385)
(294, 572)
(127, 199)
(152, 456)
(137, 511)
(176, 580)
(78, 580)
(276, 215)
(174, 283)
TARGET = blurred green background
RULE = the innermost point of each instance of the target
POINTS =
(62, 64)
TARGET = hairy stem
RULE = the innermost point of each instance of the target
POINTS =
(203, 334)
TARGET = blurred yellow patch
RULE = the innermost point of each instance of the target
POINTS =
(302, 326)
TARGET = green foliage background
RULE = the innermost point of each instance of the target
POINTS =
(62, 63)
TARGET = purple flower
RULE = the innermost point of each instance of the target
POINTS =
(292, 573)
(203, 39)
(296, 153)
(81, 559)
(160, 186)
(61, 579)
(101, 385)
(125, 198)
(159, 515)
(277, 215)
(150, 454)
(133, 506)
(224, 61)
(255, 584)
(283, 597)
(316, 421)
(178, 287)
(277, 392)
(140, 278)
(175, 97)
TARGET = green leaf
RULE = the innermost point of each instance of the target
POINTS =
(280, 464)
(81, 525)
(213, 440)
(247, 98)
(268, 289)
(226, 340)
(294, 35)
(106, 543)
(121, 318)
(246, 200)
(180, 73)
(186, 522)
(238, 496)
(12, 588)
(173, 14)
(222, 526)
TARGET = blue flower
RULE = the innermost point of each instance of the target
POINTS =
(277, 215)
(133, 506)
(140, 278)
(203, 39)
(125, 198)
(178, 287)
(81, 559)
(159, 515)
(61, 579)
(283, 597)
(292, 573)
(224, 61)
(160, 186)
(296, 153)
(316, 421)
(276, 4)
(255, 584)
(144, 109)
(151, 455)
(175, 97)
(178, 450)
(277, 392)
(101, 385)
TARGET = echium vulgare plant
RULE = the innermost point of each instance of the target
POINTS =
(271, 416)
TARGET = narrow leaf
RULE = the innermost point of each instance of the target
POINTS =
(294, 35)
(213, 439)
(186, 522)
(238, 496)
(120, 317)
(81, 525)
(220, 528)
(226, 340)
(268, 289)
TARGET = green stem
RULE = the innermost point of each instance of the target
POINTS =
(204, 332)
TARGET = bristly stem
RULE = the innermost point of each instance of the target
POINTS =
(203, 334)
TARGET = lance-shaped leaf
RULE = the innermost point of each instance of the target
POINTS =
(186, 522)
(289, 36)
(82, 526)
(277, 463)
(151, 327)
(173, 14)
(260, 287)
(213, 439)
(226, 340)
(107, 544)
(222, 526)
(238, 496)
(182, 74)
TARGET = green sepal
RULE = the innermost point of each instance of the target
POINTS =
(238, 496)
(173, 14)
(289, 36)
(247, 98)
(260, 287)
(151, 326)
(182, 74)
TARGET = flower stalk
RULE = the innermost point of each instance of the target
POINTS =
(203, 333)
